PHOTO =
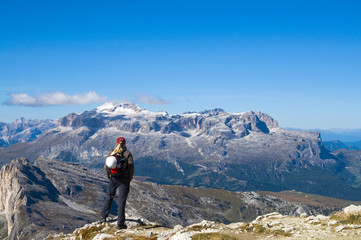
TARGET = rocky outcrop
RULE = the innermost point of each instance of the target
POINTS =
(31, 205)
(12, 199)
(22, 187)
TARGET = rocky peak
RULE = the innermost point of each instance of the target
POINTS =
(213, 111)
(68, 120)
(110, 108)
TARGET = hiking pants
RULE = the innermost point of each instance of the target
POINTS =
(123, 185)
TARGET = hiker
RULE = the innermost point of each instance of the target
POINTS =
(119, 168)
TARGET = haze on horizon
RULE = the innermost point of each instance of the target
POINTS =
(297, 61)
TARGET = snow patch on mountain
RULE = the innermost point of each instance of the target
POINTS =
(110, 109)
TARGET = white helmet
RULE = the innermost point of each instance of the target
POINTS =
(111, 162)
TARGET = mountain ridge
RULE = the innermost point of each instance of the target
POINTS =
(23, 130)
(235, 151)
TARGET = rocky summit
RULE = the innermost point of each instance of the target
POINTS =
(52, 196)
(274, 225)
(234, 151)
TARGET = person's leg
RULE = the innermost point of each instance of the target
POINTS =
(112, 187)
(123, 194)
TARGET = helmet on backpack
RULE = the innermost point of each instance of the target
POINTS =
(111, 162)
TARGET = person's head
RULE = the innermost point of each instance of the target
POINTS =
(121, 141)
(120, 146)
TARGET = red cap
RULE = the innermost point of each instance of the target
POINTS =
(121, 140)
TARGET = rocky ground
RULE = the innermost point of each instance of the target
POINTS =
(343, 225)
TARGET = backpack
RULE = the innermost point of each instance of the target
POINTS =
(121, 167)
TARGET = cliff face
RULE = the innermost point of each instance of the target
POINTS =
(23, 186)
(12, 199)
(31, 205)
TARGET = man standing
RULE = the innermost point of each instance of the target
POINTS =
(119, 178)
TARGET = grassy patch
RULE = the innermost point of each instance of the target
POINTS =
(223, 201)
(311, 199)
(260, 229)
(133, 237)
(212, 236)
(51, 238)
(196, 228)
(265, 231)
(88, 233)
(244, 226)
(347, 219)
(281, 233)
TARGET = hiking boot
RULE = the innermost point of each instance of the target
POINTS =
(122, 226)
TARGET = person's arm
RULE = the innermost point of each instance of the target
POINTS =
(129, 156)
(106, 169)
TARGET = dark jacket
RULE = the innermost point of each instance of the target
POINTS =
(130, 171)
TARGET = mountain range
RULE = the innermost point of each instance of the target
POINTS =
(234, 151)
(23, 130)
(344, 135)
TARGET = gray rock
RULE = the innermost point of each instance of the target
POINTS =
(340, 228)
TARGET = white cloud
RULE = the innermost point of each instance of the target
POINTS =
(146, 99)
(53, 99)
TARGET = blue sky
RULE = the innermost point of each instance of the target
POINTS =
(298, 61)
